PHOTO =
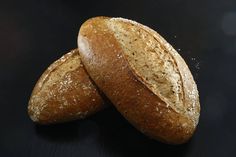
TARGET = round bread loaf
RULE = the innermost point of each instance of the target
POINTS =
(144, 77)
(64, 92)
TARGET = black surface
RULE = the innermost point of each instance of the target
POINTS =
(35, 33)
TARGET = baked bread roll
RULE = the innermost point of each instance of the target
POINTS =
(64, 92)
(143, 76)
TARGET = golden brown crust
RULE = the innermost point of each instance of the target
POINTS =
(64, 92)
(104, 60)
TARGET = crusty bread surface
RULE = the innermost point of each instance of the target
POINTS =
(145, 78)
(64, 92)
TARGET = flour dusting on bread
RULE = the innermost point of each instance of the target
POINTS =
(153, 65)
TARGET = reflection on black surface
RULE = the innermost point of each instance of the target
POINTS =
(120, 138)
(112, 134)
(59, 132)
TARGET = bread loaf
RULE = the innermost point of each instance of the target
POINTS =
(145, 78)
(64, 92)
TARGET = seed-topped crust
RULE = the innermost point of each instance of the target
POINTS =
(155, 64)
(64, 92)
(144, 77)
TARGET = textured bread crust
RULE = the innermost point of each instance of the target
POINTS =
(64, 92)
(126, 60)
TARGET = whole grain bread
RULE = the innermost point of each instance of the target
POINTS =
(144, 77)
(64, 92)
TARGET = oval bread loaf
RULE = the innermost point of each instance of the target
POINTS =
(144, 77)
(64, 92)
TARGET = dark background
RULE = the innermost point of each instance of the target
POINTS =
(35, 33)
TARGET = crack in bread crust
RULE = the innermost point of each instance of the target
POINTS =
(107, 61)
(157, 70)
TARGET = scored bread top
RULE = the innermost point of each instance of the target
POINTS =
(143, 76)
(156, 63)
(64, 92)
